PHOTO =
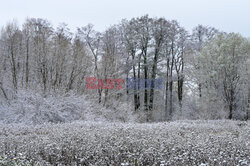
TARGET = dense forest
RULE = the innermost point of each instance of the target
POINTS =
(205, 72)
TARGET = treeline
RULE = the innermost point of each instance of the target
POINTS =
(206, 72)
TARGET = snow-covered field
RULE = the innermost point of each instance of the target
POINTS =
(102, 143)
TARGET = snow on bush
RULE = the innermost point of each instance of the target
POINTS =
(32, 108)
(102, 143)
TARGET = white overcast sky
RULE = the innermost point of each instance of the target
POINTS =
(226, 15)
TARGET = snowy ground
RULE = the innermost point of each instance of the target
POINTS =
(102, 143)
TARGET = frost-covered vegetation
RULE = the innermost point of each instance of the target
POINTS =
(205, 72)
(33, 108)
(98, 143)
(48, 116)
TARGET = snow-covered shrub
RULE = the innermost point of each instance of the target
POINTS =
(33, 108)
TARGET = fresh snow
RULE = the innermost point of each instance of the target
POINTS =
(200, 142)
(32, 108)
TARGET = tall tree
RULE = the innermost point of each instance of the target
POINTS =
(93, 39)
(222, 60)
(144, 30)
(27, 40)
(12, 39)
(200, 35)
(159, 34)
(179, 63)
(130, 40)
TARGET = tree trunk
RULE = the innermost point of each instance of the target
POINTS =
(151, 97)
(231, 104)
(138, 82)
(13, 62)
(136, 106)
(171, 84)
(3, 91)
(27, 64)
(44, 76)
(145, 83)
(166, 93)
(180, 81)
(71, 79)
(97, 75)
(199, 87)
(230, 111)
(248, 105)
(180, 92)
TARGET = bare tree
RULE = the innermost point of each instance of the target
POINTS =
(144, 31)
(179, 63)
(12, 38)
(200, 35)
(159, 34)
(130, 40)
(93, 39)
